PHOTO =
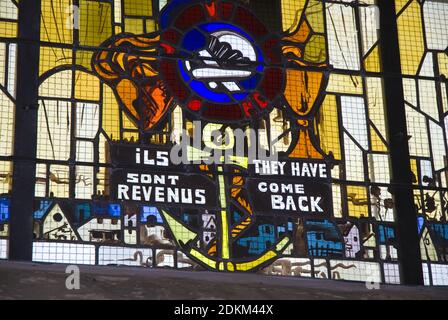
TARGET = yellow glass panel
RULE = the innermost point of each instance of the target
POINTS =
(369, 2)
(372, 61)
(84, 58)
(111, 114)
(410, 34)
(54, 21)
(443, 64)
(2, 63)
(137, 7)
(8, 10)
(357, 202)
(341, 83)
(134, 26)
(329, 128)
(291, 13)
(6, 125)
(150, 25)
(414, 169)
(127, 123)
(95, 22)
(5, 176)
(87, 87)
(53, 57)
(103, 184)
(377, 143)
(8, 29)
(118, 30)
(399, 4)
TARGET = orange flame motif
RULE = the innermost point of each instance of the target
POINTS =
(129, 66)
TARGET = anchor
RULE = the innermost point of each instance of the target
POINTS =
(187, 239)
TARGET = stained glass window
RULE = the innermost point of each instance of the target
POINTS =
(123, 83)
(424, 66)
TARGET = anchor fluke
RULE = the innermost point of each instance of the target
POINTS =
(182, 234)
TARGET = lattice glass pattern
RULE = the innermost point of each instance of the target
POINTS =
(67, 253)
(3, 249)
(425, 65)
(8, 55)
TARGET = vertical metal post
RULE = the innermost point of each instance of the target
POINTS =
(25, 139)
(407, 234)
